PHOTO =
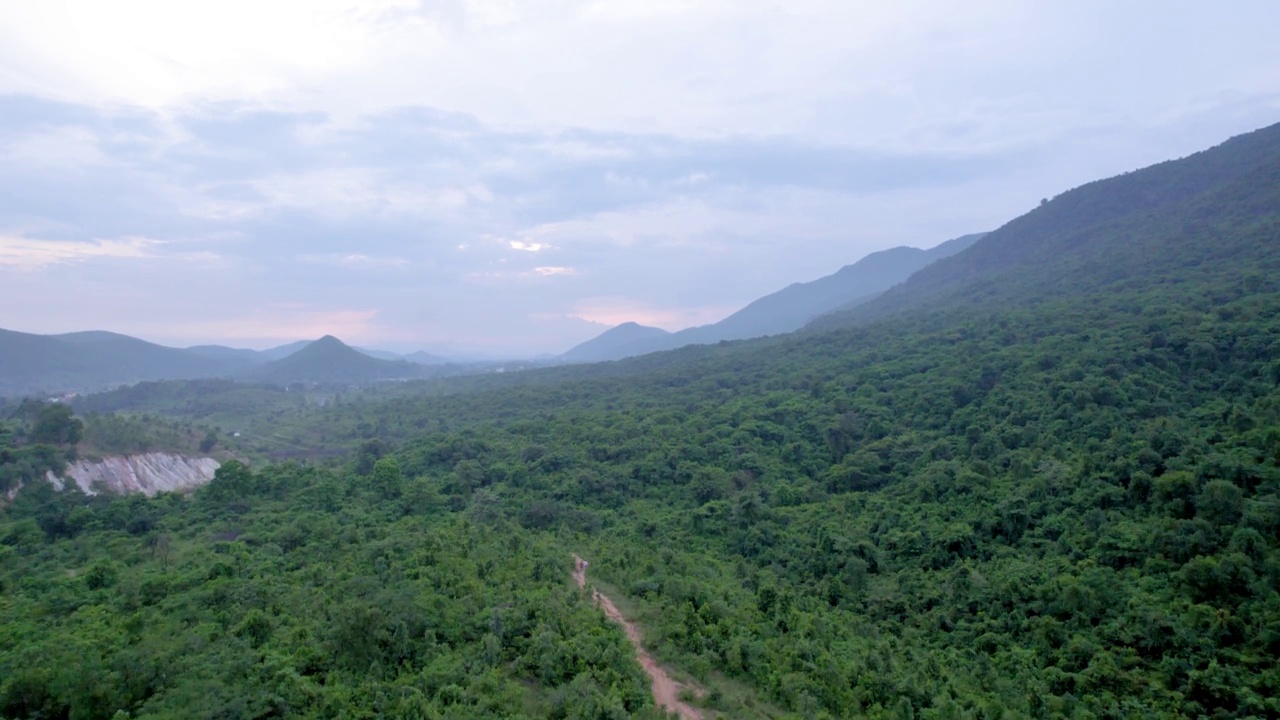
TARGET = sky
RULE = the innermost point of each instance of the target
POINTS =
(484, 178)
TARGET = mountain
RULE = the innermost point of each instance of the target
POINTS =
(420, 357)
(781, 312)
(222, 352)
(329, 360)
(93, 360)
(793, 307)
(284, 351)
(96, 360)
(379, 354)
(1171, 223)
(425, 358)
(614, 343)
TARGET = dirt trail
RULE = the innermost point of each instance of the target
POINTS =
(666, 692)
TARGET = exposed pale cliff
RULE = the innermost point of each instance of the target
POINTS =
(148, 474)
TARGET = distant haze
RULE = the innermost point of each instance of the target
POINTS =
(485, 179)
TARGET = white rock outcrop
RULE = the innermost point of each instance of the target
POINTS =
(148, 474)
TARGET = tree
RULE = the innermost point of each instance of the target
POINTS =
(1220, 502)
(211, 439)
(232, 481)
(55, 425)
(387, 480)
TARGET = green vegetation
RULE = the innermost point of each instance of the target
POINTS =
(20, 465)
(38, 438)
(1049, 513)
(296, 592)
(1056, 496)
(94, 435)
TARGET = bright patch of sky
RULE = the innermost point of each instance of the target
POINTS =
(490, 177)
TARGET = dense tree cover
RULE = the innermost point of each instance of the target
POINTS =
(55, 424)
(22, 463)
(297, 592)
(1068, 511)
(110, 434)
(1071, 510)
(263, 413)
(36, 438)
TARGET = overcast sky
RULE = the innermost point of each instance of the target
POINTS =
(507, 178)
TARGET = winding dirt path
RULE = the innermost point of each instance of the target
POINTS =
(666, 692)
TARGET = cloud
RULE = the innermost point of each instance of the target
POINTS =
(528, 247)
(28, 253)
(611, 311)
(902, 73)
(552, 270)
(281, 323)
(415, 210)
(355, 260)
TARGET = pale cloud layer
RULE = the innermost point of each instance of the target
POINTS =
(31, 254)
(495, 177)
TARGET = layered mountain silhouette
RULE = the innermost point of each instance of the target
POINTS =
(95, 360)
(1170, 223)
(92, 360)
(284, 351)
(782, 312)
(329, 360)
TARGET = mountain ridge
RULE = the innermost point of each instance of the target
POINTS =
(1164, 218)
(329, 360)
(785, 310)
(94, 360)
(608, 344)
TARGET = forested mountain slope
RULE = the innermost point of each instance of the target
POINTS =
(1171, 223)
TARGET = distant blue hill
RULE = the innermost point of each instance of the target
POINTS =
(784, 311)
